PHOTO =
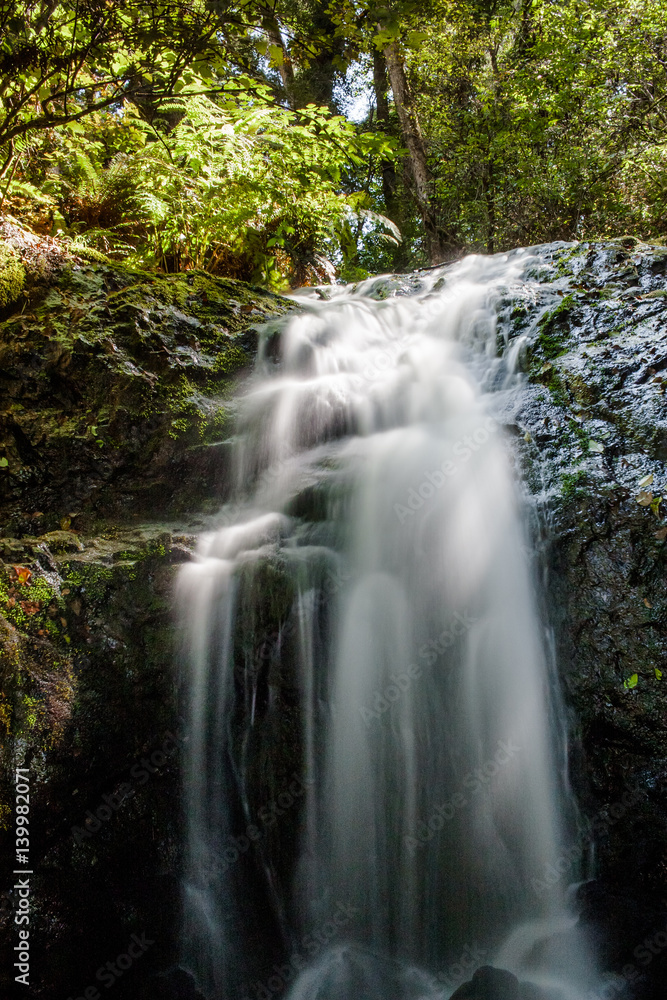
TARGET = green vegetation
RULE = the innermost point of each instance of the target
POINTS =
(290, 143)
(12, 277)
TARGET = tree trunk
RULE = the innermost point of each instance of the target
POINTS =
(490, 199)
(382, 107)
(414, 141)
(286, 69)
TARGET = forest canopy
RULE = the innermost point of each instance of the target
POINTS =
(294, 142)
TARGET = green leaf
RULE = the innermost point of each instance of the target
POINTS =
(658, 673)
(415, 38)
(276, 55)
(3, 463)
(631, 682)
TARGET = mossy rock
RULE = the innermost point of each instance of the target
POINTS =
(12, 277)
(115, 381)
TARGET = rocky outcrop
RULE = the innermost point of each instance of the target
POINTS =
(591, 431)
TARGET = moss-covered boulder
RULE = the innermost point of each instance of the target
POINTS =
(115, 390)
(12, 277)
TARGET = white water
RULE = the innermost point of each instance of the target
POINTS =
(429, 787)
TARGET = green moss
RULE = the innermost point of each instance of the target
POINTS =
(33, 607)
(231, 360)
(91, 578)
(88, 253)
(12, 277)
(553, 337)
(572, 485)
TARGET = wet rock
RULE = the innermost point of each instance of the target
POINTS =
(489, 983)
(590, 427)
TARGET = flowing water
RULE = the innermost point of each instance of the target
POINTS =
(376, 777)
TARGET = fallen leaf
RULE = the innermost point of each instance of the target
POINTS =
(631, 682)
(30, 607)
(23, 574)
(65, 523)
(596, 446)
(646, 481)
(63, 622)
(658, 673)
(527, 436)
(645, 499)
(647, 603)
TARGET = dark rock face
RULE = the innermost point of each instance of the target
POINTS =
(591, 427)
(89, 704)
(489, 984)
(113, 387)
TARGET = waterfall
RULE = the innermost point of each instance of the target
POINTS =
(376, 782)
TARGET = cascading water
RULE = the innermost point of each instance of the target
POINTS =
(375, 780)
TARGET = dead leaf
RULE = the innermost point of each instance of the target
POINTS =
(661, 535)
(30, 607)
(647, 603)
(23, 574)
(645, 499)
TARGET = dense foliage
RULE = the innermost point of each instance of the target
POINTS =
(288, 142)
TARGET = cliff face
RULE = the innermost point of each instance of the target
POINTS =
(115, 409)
(590, 427)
